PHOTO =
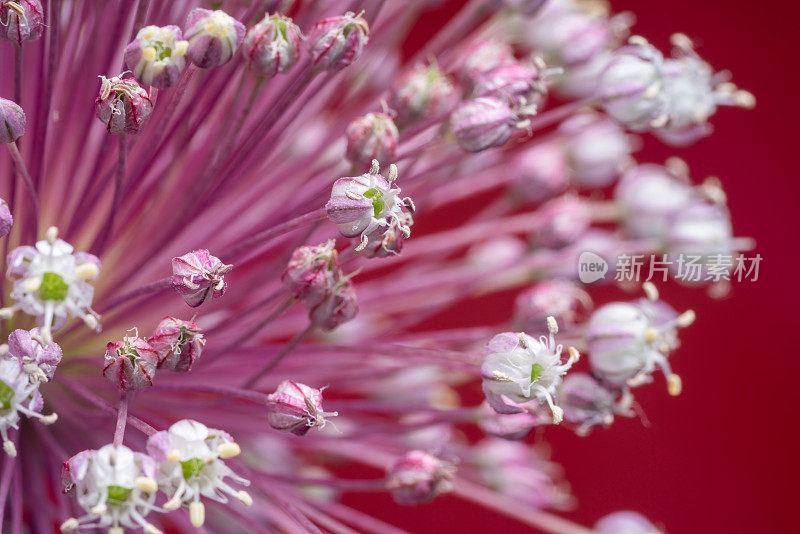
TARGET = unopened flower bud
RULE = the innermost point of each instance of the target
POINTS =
(12, 121)
(338, 41)
(631, 87)
(417, 477)
(562, 299)
(519, 83)
(273, 45)
(373, 136)
(296, 408)
(597, 149)
(563, 221)
(422, 92)
(569, 37)
(339, 307)
(312, 272)
(482, 123)
(481, 57)
(6, 220)
(586, 402)
(130, 363)
(199, 277)
(214, 36)
(157, 55)
(123, 105)
(21, 20)
(541, 171)
(178, 344)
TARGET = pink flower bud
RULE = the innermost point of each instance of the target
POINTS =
(564, 220)
(38, 361)
(12, 121)
(541, 171)
(273, 45)
(21, 20)
(586, 402)
(312, 272)
(482, 123)
(6, 220)
(417, 477)
(338, 308)
(157, 56)
(521, 84)
(123, 105)
(199, 277)
(561, 299)
(513, 425)
(373, 136)
(597, 149)
(483, 56)
(214, 36)
(295, 408)
(178, 344)
(422, 92)
(130, 363)
(338, 41)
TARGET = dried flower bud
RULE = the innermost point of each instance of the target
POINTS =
(273, 45)
(339, 307)
(625, 523)
(178, 344)
(12, 120)
(157, 55)
(296, 408)
(123, 105)
(199, 277)
(214, 36)
(21, 20)
(338, 41)
(373, 136)
(312, 272)
(6, 220)
(422, 92)
(631, 87)
(482, 123)
(562, 299)
(130, 363)
(39, 361)
(418, 477)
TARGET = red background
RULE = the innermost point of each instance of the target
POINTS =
(722, 456)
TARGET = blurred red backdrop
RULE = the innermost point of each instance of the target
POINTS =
(721, 457)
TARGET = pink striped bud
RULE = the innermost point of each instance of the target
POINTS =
(12, 121)
(130, 363)
(483, 56)
(21, 20)
(199, 277)
(312, 273)
(418, 477)
(214, 36)
(373, 136)
(522, 84)
(338, 41)
(339, 307)
(422, 92)
(178, 344)
(273, 45)
(123, 105)
(482, 123)
(296, 408)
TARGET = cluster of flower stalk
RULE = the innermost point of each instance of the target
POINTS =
(235, 133)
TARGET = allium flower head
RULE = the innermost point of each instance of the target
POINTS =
(213, 36)
(521, 368)
(273, 45)
(199, 277)
(114, 485)
(338, 41)
(157, 55)
(123, 105)
(21, 20)
(418, 477)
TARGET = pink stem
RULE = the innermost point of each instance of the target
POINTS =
(122, 419)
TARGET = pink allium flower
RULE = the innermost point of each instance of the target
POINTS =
(329, 287)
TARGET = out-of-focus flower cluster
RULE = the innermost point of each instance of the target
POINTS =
(248, 160)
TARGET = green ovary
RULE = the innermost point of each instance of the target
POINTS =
(536, 372)
(118, 494)
(6, 396)
(191, 468)
(53, 287)
(377, 200)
